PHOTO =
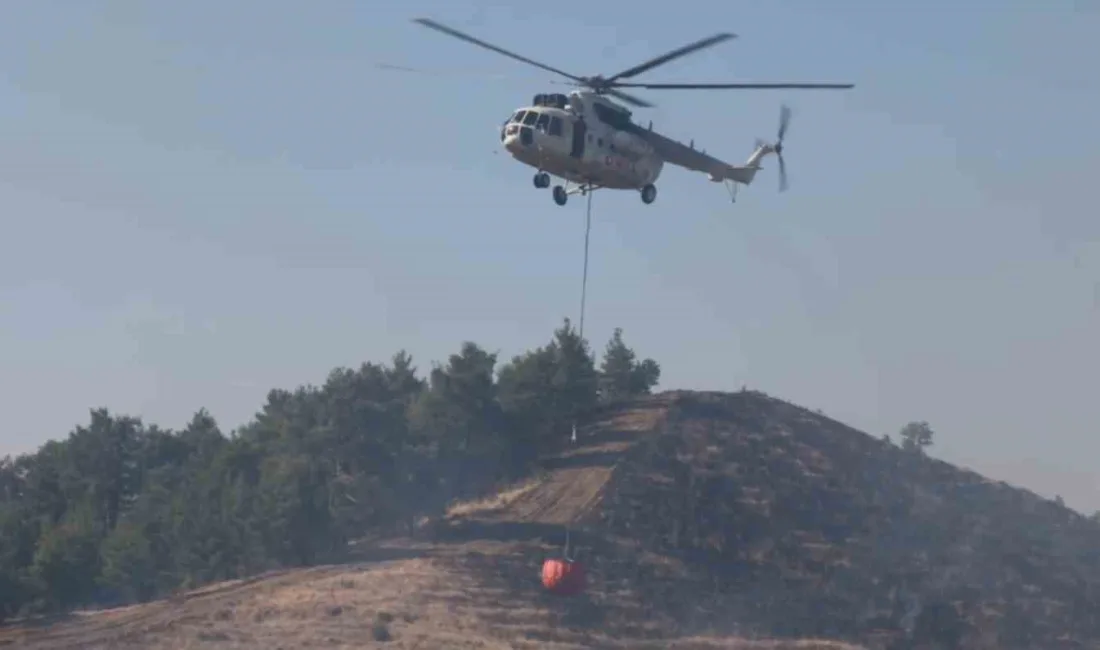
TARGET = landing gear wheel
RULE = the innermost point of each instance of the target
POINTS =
(542, 179)
(649, 194)
(560, 196)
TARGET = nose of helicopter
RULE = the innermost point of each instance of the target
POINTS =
(511, 140)
(516, 137)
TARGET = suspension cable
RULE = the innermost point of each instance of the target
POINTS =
(584, 276)
(584, 282)
(580, 327)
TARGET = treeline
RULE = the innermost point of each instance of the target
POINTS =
(124, 511)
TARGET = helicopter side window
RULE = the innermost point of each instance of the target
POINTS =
(543, 123)
(555, 125)
(530, 118)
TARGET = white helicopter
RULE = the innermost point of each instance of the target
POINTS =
(590, 142)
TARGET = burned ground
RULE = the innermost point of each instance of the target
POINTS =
(806, 527)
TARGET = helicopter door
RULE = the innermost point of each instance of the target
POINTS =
(579, 132)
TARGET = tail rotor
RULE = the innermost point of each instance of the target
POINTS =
(784, 122)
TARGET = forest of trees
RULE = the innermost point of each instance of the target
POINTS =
(124, 511)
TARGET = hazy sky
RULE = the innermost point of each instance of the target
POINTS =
(203, 200)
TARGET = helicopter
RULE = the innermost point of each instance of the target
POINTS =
(592, 142)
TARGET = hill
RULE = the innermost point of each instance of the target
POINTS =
(808, 527)
(707, 520)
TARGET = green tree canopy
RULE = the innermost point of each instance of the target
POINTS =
(916, 436)
(124, 511)
(622, 375)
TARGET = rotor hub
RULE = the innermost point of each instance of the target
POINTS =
(597, 84)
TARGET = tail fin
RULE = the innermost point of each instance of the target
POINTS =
(745, 174)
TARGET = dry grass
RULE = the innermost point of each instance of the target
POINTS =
(495, 503)
(433, 599)
(703, 643)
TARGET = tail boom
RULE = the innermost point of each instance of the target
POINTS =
(743, 174)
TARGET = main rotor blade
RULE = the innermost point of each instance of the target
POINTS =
(494, 76)
(440, 73)
(674, 54)
(749, 86)
(629, 99)
(427, 22)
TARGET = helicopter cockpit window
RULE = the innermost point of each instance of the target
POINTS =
(516, 117)
(530, 118)
(555, 125)
(543, 123)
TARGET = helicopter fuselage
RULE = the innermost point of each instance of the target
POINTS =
(571, 141)
(587, 139)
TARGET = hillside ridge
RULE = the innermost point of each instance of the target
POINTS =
(708, 520)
